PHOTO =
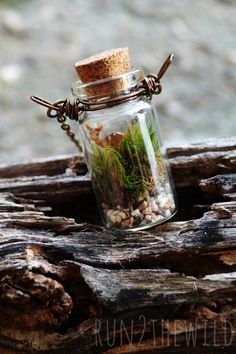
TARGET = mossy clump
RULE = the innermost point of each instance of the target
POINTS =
(108, 173)
(123, 174)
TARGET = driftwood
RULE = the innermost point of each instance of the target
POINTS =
(68, 285)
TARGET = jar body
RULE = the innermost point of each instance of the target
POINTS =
(128, 165)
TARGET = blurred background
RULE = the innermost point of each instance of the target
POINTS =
(41, 40)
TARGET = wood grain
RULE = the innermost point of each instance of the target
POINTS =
(70, 286)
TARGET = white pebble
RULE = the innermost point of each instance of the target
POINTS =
(167, 213)
(154, 205)
(163, 201)
(123, 215)
(147, 211)
(116, 212)
(171, 202)
(110, 213)
(113, 219)
(135, 212)
(118, 219)
(160, 217)
(148, 217)
(125, 223)
(143, 205)
(154, 217)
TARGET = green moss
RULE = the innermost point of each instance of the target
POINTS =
(108, 173)
(124, 174)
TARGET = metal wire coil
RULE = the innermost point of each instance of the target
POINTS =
(63, 109)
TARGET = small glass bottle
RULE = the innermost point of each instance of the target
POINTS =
(121, 142)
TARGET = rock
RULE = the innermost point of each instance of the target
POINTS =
(153, 217)
(113, 219)
(143, 205)
(135, 213)
(147, 211)
(125, 223)
(186, 91)
(116, 212)
(118, 219)
(123, 215)
(148, 217)
(160, 217)
(110, 213)
(154, 205)
(163, 201)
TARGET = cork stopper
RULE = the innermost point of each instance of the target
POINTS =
(103, 66)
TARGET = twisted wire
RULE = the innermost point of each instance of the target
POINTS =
(63, 109)
(152, 85)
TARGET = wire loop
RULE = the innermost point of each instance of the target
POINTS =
(63, 109)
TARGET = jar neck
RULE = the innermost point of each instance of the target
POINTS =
(109, 88)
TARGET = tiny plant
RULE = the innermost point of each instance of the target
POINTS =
(122, 174)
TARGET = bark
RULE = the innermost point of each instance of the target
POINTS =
(70, 286)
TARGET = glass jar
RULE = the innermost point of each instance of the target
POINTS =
(129, 170)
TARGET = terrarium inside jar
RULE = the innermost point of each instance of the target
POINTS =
(121, 143)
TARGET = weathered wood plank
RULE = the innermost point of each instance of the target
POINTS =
(68, 287)
(220, 185)
(175, 243)
(50, 166)
(193, 162)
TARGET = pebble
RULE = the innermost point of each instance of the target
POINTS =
(123, 215)
(125, 223)
(172, 202)
(135, 213)
(118, 219)
(110, 213)
(163, 201)
(154, 206)
(160, 217)
(149, 211)
(113, 219)
(148, 217)
(154, 217)
(168, 213)
(143, 205)
(116, 212)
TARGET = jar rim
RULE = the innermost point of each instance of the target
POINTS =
(110, 86)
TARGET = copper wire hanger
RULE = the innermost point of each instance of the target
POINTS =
(63, 108)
